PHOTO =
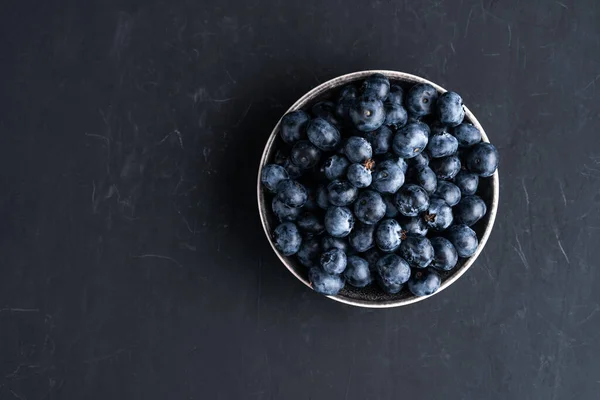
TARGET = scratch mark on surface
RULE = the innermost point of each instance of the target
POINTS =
(491, 54)
(592, 82)
(562, 5)
(589, 316)
(244, 115)
(525, 190)
(561, 246)
(468, 22)
(509, 34)
(158, 256)
(105, 357)
(230, 77)
(177, 133)
(520, 252)
(349, 380)
(107, 140)
(562, 192)
(14, 394)
(452, 47)
(538, 94)
(19, 310)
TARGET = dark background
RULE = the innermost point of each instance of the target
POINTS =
(133, 264)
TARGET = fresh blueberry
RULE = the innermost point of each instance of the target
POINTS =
(390, 207)
(330, 242)
(360, 175)
(335, 167)
(470, 210)
(339, 221)
(396, 95)
(448, 191)
(372, 256)
(271, 175)
(322, 197)
(466, 134)
(442, 145)
(445, 167)
(323, 134)
(388, 235)
(310, 223)
(424, 283)
(293, 126)
(417, 251)
(445, 256)
(439, 214)
(292, 169)
(420, 159)
(325, 110)
(420, 99)
(482, 159)
(376, 85)
(437, 128)
(414, 226)
(283, 212)
(380, 139)
(450, 110)
(392, 273)
(369, 207)
(464, 240)
(291, 193)
(388, 176)
(424, 177)
(467, 182)
(411, 200)
(358, 149)
(367, 114)
(361, 237)
(346, 99)
(357, 272)
(411, 140)
(341, 193)
(395, 115)
(287, 238)
(305, 155)
(333, 261)
(309, 252)
(324, 283)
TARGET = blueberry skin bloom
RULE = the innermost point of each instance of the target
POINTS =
(388, 177)
(293, 126)
(369, 207)
(323, 134)
(305, 155)
(438, 215)
(411, 200)
(388, 235)
(467, 182)
(450, 110)
(464, 240)
(421, 99)
(361, 238)
(470, 210)
(359, 175)
(442, 145)
(367, 114)
(339, 221)
(445, 167)
(272, 175)
(335, 167)
(482, 159)
(341, 193)
(466, 134)
(333, 261)
(325, 283)
(424, 283)
(445, 256)
(357, 272)
(380, 139)
(376, 85)
(449, 192)
(411, 140)
(425, 177)
(283, 212)
(392, 273)
(291, 193)
(417, 251)
(287, 238)
(358, 149)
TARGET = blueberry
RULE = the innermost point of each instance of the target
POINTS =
(420, 159)
(390, 207)
(292, 169)
(466, 134)
(325, 110)
(380, 139)
(341, 193)
(388, 176)
(424, 283)
(399, 161)
(367, 114)
(420, 99)
(310, 223)
(396, 95)
(293, 126)
(305, 155)
(283, 212)
(359, 175)
(271, 175)
(330, 242)
(333, 261)
(467, 182)
(339, 221)
(482, 159)
(395, 115)
(369, 207)
(372, 256)
(376, 85)
(358, 149)
(424, 177)
(323, 135)
(445, 256)
(357, 272)
(445, 167)
(464, 240)
(324, 283)
(291, 193)
(470, 210)
(361, 237)
(449, 192)
(388, 235)
(442, 145)
(411, 140)
(335, 167)
(417, 251)
(450, 110)
(287, 238)
(411, 200)
(392, 273)
(322, 197)
(438, 215)
(414, 226)
(346, 99)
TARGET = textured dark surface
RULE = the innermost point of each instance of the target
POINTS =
(133, 262)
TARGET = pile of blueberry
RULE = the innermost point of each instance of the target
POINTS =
(380, 186)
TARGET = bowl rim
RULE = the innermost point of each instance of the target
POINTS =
(335, 83)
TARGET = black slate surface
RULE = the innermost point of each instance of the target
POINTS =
(133, 262)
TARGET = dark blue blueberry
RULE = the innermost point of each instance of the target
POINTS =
(372, 256)
(358, 149)
(482, 159)
(346, 99)
(339, 221)
(333, 261)
(293, 126)
(411, 140)
(388, 235)
(335, 167)
(414, 226)
(357, 272)
(449, 192)
(360, 175)
(325, 110)
(283, 212)
(376, 85)
(390, 207)
(445, 167)
(361, 238)
(424, 177)
(417, 251)
(420, 99)
(438, 129)
(464, 240)
(438, 215)
(470, 210)
(322, 197)
(466, 134)
(411, 200)
(309, 252)
(392, 273)
(467, 182)
(395, 115)
(367, 114)
(324, 283)
(445, 256)
(329, 242)
(305, 154)
(271, 175)
(450, 110)
(292, 193)
(424, 283)
(380, 139)
(310, 223)
(369, 207)
(396, 95)
(341, 193)
(323, 134)
(292, 169)
(287, 239)
(442, 145)
(388, 176)
(420, 159)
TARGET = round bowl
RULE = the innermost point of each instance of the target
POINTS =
(372, 296)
